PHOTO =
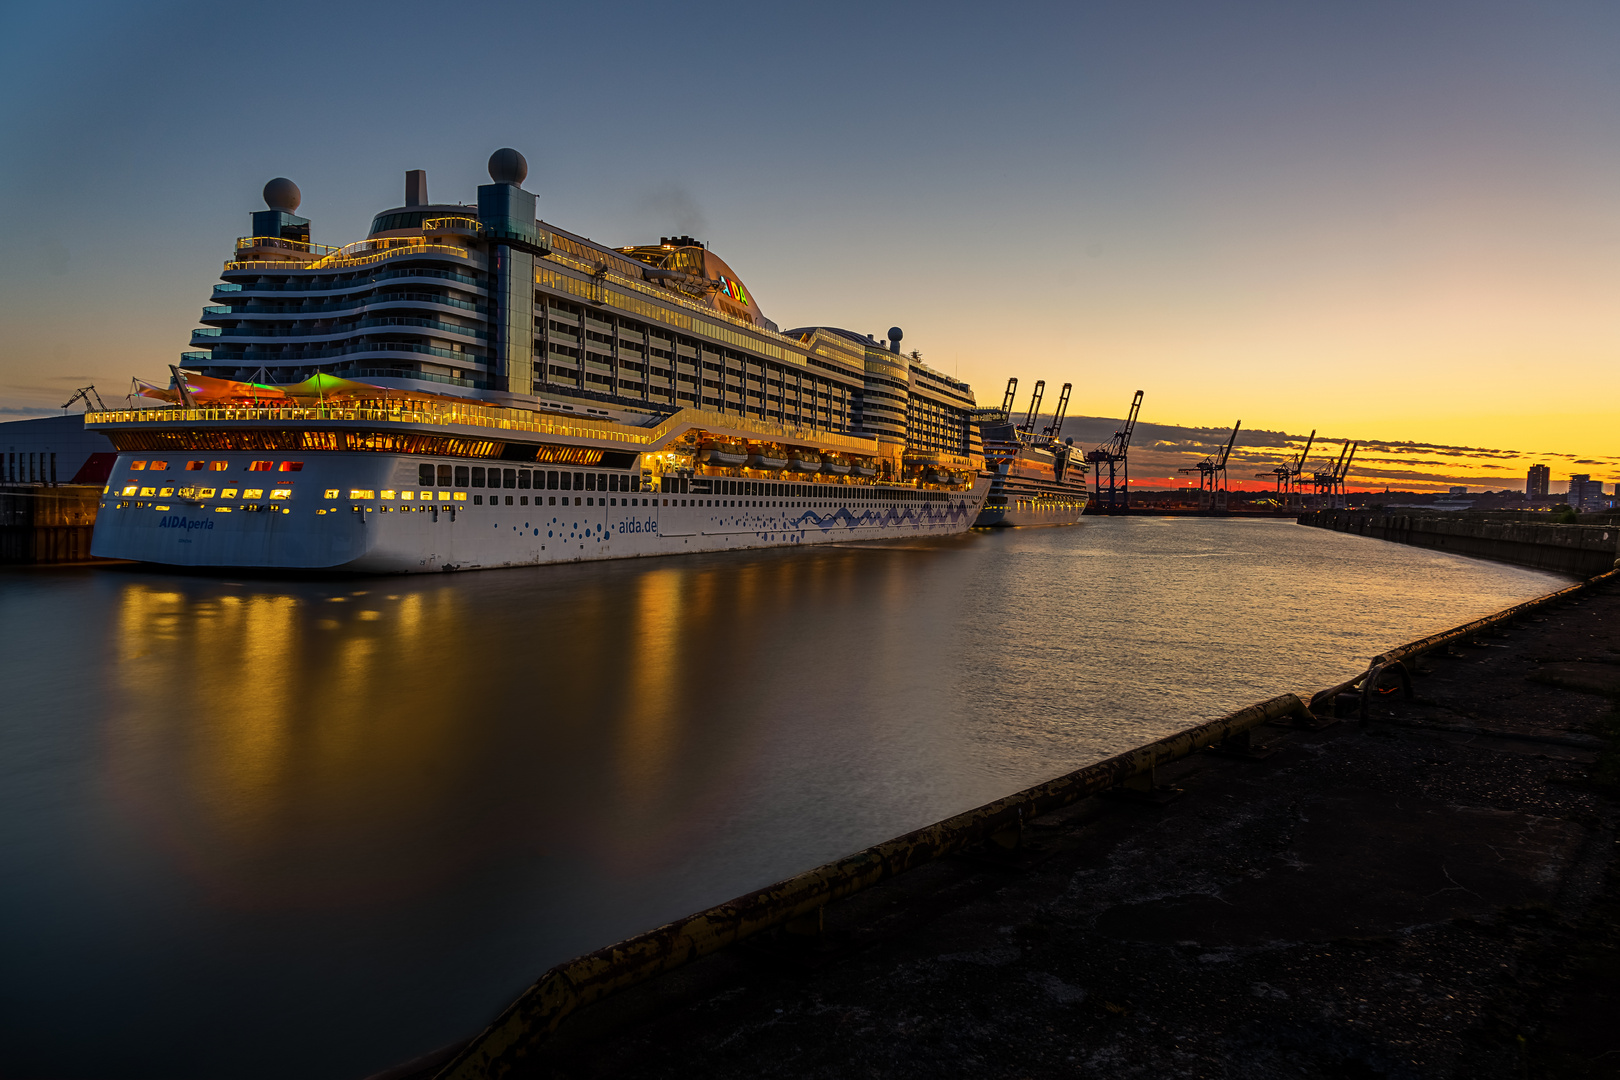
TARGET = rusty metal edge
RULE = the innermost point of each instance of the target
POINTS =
(524, 1025)
(1434, 641)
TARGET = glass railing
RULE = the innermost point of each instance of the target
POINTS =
(244, 243)
(195, 357)
(362, 302)
(395, 373)
(351, 285)
(451, 224)
(216, 309)
(206, 331)
(469, 359)
(344, 328)
(353, 255)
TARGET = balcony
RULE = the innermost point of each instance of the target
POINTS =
(337, 330)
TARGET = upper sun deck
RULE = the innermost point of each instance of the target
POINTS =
(478, 421)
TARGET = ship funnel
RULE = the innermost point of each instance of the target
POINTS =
(416, 187)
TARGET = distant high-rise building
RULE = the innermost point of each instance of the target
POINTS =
(1536, 486)
(1580, 485)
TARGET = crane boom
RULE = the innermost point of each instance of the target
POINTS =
(1056, 430)
(1221, 464)
(1012, 393)
(1034, 406)
(1123, 439)
(1344, 472)
(1299, 462)
(86, 393)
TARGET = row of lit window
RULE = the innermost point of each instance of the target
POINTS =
(476, 476)
(218, 466)
(201, 493)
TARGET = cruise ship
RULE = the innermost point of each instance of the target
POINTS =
(1035, 479)
(471, 387)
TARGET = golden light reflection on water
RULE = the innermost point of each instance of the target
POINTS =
(284, 755)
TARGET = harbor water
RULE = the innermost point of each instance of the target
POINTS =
(266, 827)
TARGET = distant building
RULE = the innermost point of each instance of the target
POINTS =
(1578, 484)
(54, 450)
(1535, 486)
(1459, 491)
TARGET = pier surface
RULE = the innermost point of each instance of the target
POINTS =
(1433, 894)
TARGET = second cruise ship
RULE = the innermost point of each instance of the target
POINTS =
(471, 387)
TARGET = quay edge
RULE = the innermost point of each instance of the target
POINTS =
(1581, 550)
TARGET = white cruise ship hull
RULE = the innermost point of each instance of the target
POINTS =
(334, 516)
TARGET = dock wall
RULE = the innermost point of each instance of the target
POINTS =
(42, 523)
(1581, 550)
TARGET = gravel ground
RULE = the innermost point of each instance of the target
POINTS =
(1433, 894)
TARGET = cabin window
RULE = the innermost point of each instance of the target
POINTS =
(579, 483)
(195, 466)
(601, 482)
(478, 478)
(258, 466)
(424, 475)
(523, 482)
(590, 481)
(613, 482)
(551, 481)
(290, 466)
(218, 466)
(136, 466)
(444, 476)
(508, 478)
(462, 477)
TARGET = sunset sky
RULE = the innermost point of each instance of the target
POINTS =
(1397, 223)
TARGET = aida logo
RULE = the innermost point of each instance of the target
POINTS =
(177, 522)
(733, 290)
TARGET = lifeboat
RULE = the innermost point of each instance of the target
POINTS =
(720, 454)
(862, 467)
(834, 466)
(805, 463)
(760, 461)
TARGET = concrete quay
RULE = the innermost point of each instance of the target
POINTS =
(1579, 549)
(47, 523)
(1432, 894)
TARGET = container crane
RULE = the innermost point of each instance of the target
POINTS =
(1327, 483)
(1287, 475)
(1212, 475)
(86, 393)
(1337, 495)
(1114, 454)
